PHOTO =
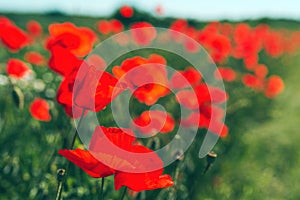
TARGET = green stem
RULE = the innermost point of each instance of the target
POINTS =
(61, 180)
(102, 187)
(124, 193)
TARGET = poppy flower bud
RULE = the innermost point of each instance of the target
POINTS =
(210, 159)
(18, 97)
(60, 174)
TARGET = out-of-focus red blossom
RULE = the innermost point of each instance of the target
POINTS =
(116, 26)
(159, 10)
(87, 161)
(225, 73)
(34, 28)
(113, 26)
(35, 58)
(274, 44)
(274, 86)
(179, 25)
(247, 44)
(12, 36)
(126, 11)
(104, 27)
(189, 77)
(17, 68)
(143, 33)
(97, 61)
(39, 109)
(154, 121)
(261, 71)
(202, 107)
(146, 77)
(294, 42)
(78, 40)
(253, 82)
(95, 89)
(122, 39)
(219, 47)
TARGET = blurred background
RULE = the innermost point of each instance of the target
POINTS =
(258, 159)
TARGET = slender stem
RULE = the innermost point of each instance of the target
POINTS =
(61, 180)
(124, 193)
(102, 187)
(76, 131)
(59, 190)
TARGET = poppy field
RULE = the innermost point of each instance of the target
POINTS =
(202, 110)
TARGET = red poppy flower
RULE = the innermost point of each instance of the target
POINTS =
(104, 27)
(146, 77)
(274, 44)
(179, 25)
(143, 181)
(39, 109)
(78, 40)
(226, 74)
(159, 10)
(34, 28)
(17, 68)
(12, 36)
(274, 86)
(261, 71)
(96, 161)
(154, 121)
(95, 89)
(247, 44)
(126, 11)
(63, 61)
(189, 77)
(205, 114)
(34, 58)
(143, 33)
(219, 47)
(116, 26)
(253, 82)
(97, 61)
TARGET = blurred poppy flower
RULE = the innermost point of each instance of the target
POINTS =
(17, 68)
(104, 27)
(126, 11)
(39, 109)
(78, 40)
(12, 36)
(274, 86)
(159, 10)
(35, 58)
(189, 77)
(147, 78)
(179, 25)
(116, 26)
(253, 82)
(96, 161)
(97, 61)
(202, 103)
(34, 28)
(154, 121)
(225, 73)
(274, 44)
(143, 33)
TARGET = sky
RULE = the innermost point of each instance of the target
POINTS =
(197, 9)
